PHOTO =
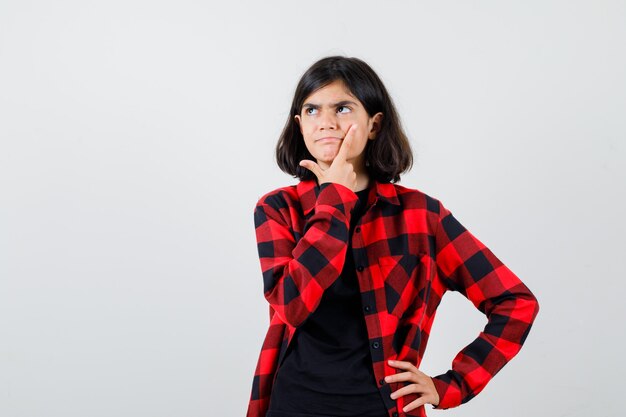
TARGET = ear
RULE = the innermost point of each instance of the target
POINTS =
(297, 119)
(375, 123)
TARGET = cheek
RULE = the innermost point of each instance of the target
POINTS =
(309, 136)
(349, 120)
(306, 128)
(363, 128)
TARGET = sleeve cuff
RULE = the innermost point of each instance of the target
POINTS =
(338, 196)
(449, 396)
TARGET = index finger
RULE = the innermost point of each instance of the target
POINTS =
(346, 144)
(407, 366)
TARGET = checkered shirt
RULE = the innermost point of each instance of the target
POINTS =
(408, 251)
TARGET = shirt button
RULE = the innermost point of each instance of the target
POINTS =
(375, 345)
(367, 309)
(360, 268)
(381, 382)
(395, 414)
(357, 230)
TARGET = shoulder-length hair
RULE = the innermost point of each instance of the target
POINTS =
(386, 157)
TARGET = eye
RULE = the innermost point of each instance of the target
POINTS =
(343, 109)
(310, 110)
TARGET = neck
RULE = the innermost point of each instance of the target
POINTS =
(362, 181)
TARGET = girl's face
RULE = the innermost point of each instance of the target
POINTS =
(326, 116)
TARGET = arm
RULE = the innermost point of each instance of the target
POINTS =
(464, 264)
(295, 274)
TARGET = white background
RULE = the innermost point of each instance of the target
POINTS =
(136, 137)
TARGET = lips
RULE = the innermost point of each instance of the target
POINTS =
(328, 139)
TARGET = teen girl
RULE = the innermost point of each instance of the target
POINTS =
(354, 266)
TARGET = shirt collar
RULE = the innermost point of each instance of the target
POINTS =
(308, 191)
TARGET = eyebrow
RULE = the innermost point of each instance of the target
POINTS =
(338, 104)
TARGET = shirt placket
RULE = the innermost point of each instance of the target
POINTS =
(370, 308)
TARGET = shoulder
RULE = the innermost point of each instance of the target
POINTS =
(279, 198)
(414, 198)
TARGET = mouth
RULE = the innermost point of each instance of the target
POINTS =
(328, 139)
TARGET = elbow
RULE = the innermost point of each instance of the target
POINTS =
(535, 306)
(292, 318)
(293, 312)
(531, 302)
(528, 306)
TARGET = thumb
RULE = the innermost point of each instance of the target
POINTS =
(312, 166)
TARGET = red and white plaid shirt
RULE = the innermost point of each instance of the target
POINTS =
(408, 251)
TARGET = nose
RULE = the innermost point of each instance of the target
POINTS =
(328, 120)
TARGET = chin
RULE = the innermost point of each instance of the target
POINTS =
(327, 160)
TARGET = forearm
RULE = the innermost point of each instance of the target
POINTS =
(296, 273)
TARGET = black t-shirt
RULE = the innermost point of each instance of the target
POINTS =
(327, 369)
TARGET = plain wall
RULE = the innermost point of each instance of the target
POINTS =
(137, 136)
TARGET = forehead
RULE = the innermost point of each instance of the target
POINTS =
(333, 92)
